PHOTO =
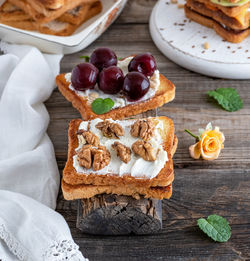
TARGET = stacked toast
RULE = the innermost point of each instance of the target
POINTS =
(55, 17)
(128, 157)
(109, 153)
(229, 18)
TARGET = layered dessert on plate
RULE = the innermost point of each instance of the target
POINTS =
(229, 18)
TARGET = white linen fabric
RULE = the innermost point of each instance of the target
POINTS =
(41, 234)
(27, 161)
(29, 230)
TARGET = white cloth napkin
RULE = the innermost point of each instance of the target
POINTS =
(28, 229)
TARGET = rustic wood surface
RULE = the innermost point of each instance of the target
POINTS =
(119, 215)
(200, 188)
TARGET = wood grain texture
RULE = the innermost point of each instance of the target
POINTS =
(200, 188)
(119, 215)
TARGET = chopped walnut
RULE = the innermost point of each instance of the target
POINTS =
(110, 129)
(143, 129)
(122, 151)
(144, 149)
(88, 137)
(84, 156)
(101, 158)
(89, 156)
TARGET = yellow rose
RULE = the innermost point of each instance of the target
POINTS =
(209, 146)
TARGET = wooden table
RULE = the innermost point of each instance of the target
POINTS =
(201, 188)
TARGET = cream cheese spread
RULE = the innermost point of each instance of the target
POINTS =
(137, 167)
(119, 99)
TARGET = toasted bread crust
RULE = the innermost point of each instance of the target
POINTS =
(228, 35)
(86, 11)
(164, 178)
(51, 4)
(48, 14)
(230, 11)
(87, 191)
(219, 16)
(166, 93)
(18, 18)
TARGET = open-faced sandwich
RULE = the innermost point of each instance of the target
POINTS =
(108, 87)
(128, 157)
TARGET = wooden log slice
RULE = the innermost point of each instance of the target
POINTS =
(119, 215)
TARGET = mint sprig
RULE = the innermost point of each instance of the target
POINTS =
(86, 57)
(215, 227)
(101, 106)
(228, 98)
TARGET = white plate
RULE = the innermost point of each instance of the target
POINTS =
(181, 40)
(84, 36)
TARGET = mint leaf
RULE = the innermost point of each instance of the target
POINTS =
(101, 106)
(86, 57)
(228, 98)
(215, 227)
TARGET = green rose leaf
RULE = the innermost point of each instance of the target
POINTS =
(228, 98)
(86, 57)
(101, 106)
(215, 227)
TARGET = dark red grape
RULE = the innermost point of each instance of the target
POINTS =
(84, 76)
(135, 86)
(111, 80)
(103, 58)
(143, 63)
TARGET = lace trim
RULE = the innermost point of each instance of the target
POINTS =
(14, 246)
(64, 250)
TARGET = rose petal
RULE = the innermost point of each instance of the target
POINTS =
(194, 151)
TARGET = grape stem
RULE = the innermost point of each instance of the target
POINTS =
(86, 57)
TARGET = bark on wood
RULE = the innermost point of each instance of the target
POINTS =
(119, 215)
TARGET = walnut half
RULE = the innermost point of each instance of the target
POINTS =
(89, 156)
(123, 152)
(88, 137)
(144, 149)
(143, 129)
(110, 129)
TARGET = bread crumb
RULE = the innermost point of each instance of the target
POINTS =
(206, 45)
(180, 6)
(174, 1)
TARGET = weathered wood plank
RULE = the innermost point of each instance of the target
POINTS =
(119, 215)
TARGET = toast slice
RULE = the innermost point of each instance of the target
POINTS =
(42, 5)
(217, 15)
(51, 14)
(15, 17)
(164, 94)
(81, 13)
(9, 12)
(163, 178)
(72, 192)
(229, 11)
(230, 35)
